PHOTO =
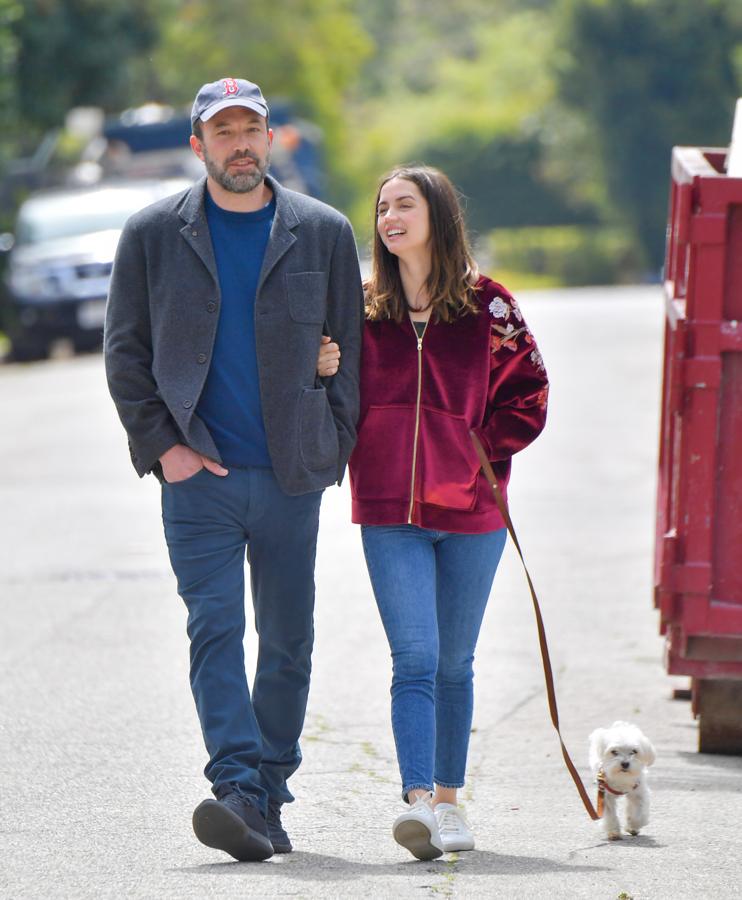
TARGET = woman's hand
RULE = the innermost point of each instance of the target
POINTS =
(328, 361)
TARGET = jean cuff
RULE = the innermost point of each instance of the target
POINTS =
(449, 784)
(415, 787)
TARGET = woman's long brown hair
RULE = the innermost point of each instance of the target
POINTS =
(453, 274)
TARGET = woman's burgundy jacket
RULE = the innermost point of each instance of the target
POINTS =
(414, 461)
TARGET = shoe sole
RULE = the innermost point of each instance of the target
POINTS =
(281, 844)
(217, 826)
(282, 848)
(457, 848)
(416, 837)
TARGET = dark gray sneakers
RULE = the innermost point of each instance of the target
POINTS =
(276, 832)
(236, 826)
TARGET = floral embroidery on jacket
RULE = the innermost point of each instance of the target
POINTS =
(537, 360)
(507, 335)
(499, 309)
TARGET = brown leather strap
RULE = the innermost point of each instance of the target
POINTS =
(549, 678)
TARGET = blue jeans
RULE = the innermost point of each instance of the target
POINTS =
(431, 588)
(210, 523)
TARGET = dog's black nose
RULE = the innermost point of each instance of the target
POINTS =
(625, 765)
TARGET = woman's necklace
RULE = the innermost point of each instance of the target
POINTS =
(419, 309)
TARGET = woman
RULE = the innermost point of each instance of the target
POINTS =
(445, 352)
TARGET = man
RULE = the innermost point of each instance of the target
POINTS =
(218, 301)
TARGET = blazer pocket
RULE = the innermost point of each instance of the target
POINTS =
(318, 437)
(307, 294)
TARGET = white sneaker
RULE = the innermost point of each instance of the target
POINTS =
(453, 828)
(417, 830)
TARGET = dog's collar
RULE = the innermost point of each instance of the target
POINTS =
(603, 786)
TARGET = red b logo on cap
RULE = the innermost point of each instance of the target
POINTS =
(230, 86)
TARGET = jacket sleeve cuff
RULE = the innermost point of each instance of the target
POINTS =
(145, 454)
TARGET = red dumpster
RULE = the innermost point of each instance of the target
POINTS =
(698, 551)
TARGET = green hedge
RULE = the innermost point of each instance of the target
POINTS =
(566, 254)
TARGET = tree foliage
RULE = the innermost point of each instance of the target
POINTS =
(541, 111)
(77, 53)
(10, 12)
(307, 51)
(643, 75)
(481, 114)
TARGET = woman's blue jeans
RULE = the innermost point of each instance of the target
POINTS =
(431, 588)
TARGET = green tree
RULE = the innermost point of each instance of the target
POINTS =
(412, 37)
(639, 76)
(77, 53)
(482, 116)
(309, 52)
(10, 12)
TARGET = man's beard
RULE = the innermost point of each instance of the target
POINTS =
(242, 182)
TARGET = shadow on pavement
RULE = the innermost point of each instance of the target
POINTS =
(712, 761)
(640, 841)
(317, 866)
(700, 772)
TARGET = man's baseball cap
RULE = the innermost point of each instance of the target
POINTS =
(226, 92)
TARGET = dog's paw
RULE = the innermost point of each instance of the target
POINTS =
(634, 824)
(614, 836)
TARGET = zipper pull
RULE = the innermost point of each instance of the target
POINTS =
(419, 344)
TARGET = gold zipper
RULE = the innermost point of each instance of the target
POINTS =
(417, 413)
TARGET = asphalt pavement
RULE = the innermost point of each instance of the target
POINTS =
(100, 747)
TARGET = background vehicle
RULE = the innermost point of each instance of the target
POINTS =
(60, 263)
(153, 141)
(56, 277)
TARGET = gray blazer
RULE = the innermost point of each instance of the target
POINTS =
(161, 322)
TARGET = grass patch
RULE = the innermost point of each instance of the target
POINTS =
(515, 280)
(548, 256)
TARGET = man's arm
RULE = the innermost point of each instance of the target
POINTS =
(345, 324)
(128, 357)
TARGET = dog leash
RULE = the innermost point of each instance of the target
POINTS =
(548, 676)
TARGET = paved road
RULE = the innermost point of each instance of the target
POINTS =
(99, 741)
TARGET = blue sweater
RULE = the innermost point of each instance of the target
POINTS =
(230, 402)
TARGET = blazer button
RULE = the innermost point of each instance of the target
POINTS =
(211, 307)
(187, 404)
(201, 357)
(194, 233)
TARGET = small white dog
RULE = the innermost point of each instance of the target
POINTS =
(619, 757)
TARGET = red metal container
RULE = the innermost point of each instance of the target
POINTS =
(698, 553)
